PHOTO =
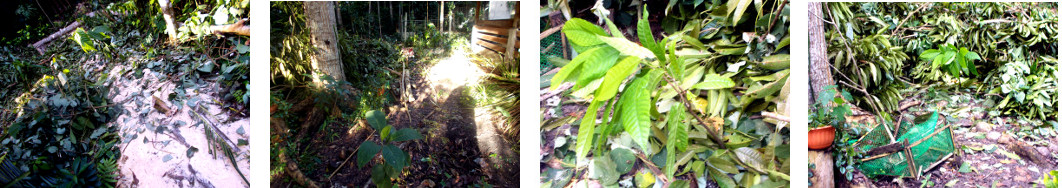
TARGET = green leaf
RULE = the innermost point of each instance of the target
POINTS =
(380, 177)
(737, 8)
(167, 158)
(366, 152)
(83, 40)
(714, 81)
(775, 62)
(634, 112)
(385, 133)
(645, 35)
(376, 119)
(586, 131)
(929, 54)
(604, 170)
(965, 168)
(581, 32)
(395, 156)
(624, 159)
(750, 157)
(678, 131)
(627, 47)
(677, 137)
(405, 134)
(595, 63)
(563, 74)
(614, 77)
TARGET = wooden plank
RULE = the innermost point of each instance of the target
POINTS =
(492, 38)
(504, 31)
(495, 23)
(492, 46)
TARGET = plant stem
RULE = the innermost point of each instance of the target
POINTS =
(712, 133)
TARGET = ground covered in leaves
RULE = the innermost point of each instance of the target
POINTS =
(121, 104)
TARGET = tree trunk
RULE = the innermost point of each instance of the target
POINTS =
(379, 19)
(823, 171)
(441, 23)
(167, 15)
(820, 75)
(321, 22)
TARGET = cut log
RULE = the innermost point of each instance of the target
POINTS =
(239, 28)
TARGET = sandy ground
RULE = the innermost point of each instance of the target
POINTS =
(154, 146)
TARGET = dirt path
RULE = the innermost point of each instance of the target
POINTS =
(155, 146)
(461, 146)
(987, 144)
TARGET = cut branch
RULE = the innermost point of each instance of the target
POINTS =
(713, 133)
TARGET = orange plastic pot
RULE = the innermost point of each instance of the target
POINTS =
(821, 138)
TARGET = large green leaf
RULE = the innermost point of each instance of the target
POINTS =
(83, 40)
(376, 119)
(395, 156)
(645, 35)
(563, 74)
(678, 131)
(405, 134)
(634, 112)
(677, 137)
(585, 138)
(581, 32)
(595, 63)
(615, 76)
(714, 81)
(627, 47)
(366, 152)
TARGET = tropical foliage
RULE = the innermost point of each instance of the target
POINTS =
(685, 105)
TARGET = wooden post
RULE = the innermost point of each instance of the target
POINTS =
(510, 46)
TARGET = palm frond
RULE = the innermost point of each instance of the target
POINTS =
(217, 141)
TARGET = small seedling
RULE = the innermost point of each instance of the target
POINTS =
(394, 158)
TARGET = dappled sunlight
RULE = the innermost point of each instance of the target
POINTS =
(454, 71)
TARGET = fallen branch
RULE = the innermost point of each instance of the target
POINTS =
(773, 115)
(290, 168)
(43, 43)
(239, 28)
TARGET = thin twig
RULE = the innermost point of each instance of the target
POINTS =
(351, 155)
(899, 26)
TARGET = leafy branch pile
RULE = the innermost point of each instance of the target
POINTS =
(688, 107)
(967, 45)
